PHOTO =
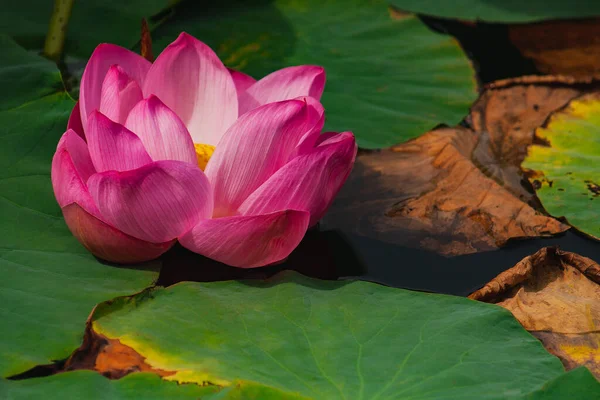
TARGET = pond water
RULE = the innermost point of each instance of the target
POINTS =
(340, 255)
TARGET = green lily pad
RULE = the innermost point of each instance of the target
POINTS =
(330, 340)
(20, 70)
(507, 11)
(566, 165)
(92, 22)
(389, 78)
(93, 386)
(48, 282)
(577, 384)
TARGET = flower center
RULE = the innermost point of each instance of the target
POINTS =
(203, 153)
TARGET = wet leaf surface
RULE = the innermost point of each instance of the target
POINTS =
(564, 164)
(556, 296)
(331, 340)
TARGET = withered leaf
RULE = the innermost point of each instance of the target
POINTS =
(556, 296)
(561, 47)
(429, 193)
(507, 114)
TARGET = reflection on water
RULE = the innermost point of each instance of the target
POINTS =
(337, 255)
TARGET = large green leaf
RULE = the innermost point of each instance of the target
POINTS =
(502, 10)
(388, 79)
(566, 164)
(330, 340)
(48, 281)
(578, 384)
(92, 386)
(25, 76)
(92, 22)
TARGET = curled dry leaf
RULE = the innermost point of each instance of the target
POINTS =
(556, 296)
(570, 47)
(429, 193)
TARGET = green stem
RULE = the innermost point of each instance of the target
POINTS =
(57, 30)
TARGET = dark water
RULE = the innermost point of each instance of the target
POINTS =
(488, 46)
(339, 255)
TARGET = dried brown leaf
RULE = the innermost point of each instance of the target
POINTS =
(428, 193)
(507, 116)
(570, 47)
(555, 295)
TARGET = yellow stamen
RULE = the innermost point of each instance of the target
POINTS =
(203, 154)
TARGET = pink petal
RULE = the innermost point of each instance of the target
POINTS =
(258, 144)
(112, 146)
(119, 94)
(80, 155)
(316, 116)
(309, 182)
(248, 241)
(71, 166)
(163, 134)
(75, 121)
(108, 243)
(191, 80)
(285, 84)
(156, 202)
(102, 59)
(241, 81)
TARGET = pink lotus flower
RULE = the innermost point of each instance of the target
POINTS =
(128, 172)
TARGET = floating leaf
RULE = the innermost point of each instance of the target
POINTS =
(25, 76)
(430, 193)
(565, 166)
(556, 296)
(329, 340)
(48, 282)
(578, 384)
(507, 114)
(389, 79)
(501, 10)
(91, 385)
